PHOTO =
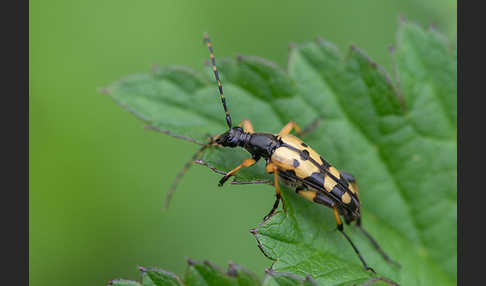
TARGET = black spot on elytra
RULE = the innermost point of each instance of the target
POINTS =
(348, 177)
(316, 178)
(325, 164)
(324, 200)
(343, 180)
(304, 145)
(299, 188)
(338, 191)
(304, 155)
(296, 163)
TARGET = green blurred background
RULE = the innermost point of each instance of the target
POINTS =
(98, 179)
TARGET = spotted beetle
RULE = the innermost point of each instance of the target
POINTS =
(292, 162)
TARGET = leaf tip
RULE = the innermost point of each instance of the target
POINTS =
(232, 270)
(433, 26)
(402, 18)
(292, 46)
(190, 262)
(355, 49)
(104, 91)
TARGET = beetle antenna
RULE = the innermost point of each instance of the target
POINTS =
(216, 75)
(181, 174)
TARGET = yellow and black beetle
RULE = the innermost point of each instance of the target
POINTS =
(294, 163)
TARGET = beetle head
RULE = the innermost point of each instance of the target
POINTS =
(230, 138)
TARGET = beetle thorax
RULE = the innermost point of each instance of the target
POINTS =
(257, 144)
(262, 145)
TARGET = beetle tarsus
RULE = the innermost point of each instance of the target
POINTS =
(223, 180)
(369, 269)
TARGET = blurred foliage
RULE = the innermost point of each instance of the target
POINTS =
(97, 178)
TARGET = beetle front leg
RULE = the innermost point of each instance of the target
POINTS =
(246, 163)
(292, 125)
(247, 127)
(287, 128)
(309, 128)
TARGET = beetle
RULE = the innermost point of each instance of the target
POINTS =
(293, 163)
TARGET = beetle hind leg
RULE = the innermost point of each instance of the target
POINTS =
(354, 188)
(376, 245)
(341, 230)
(324, 200)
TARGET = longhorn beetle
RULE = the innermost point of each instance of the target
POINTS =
(292, 162)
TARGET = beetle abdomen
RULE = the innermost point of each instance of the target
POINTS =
(294, 156)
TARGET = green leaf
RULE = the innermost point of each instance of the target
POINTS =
(123, 282)
(396, 136)
(243, 276)
(287, 279)
(159, 277)
(206, 273)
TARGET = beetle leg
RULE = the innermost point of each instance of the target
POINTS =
(247, 127)
(291, 125)
(234, 182)
(246, 163)
(341, 230)
(309, 128)
(350, 178)
(375, 244)
(271, 168)
(315, 197)
(287, 128)
(267, 182)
